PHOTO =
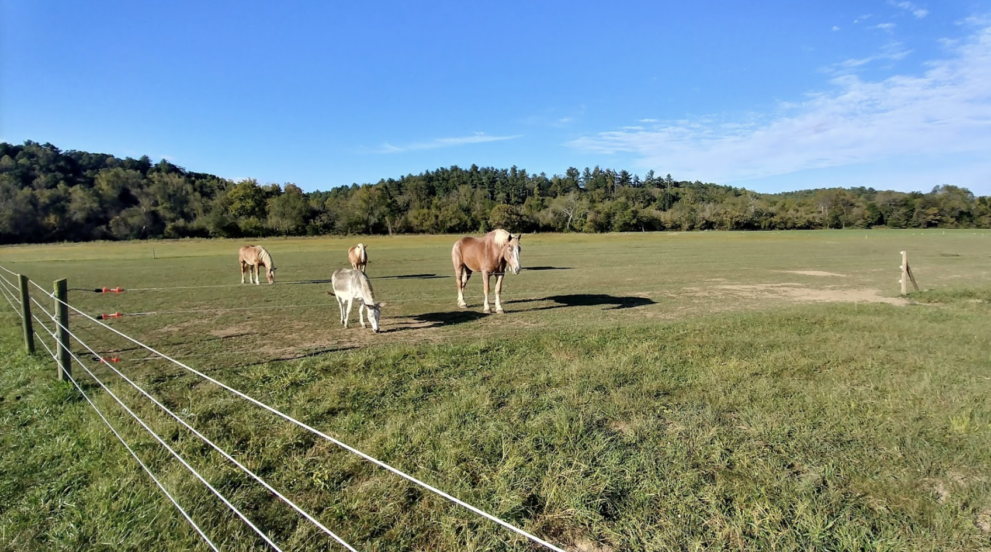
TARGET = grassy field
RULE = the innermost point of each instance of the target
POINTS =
(642, 392)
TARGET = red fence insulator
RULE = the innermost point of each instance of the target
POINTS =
(109, 290)
(113, 359)
(109, 316)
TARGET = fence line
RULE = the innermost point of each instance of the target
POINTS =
(8, 294)
(173, 452)
(254, 401)
(211, 443)
(319, 433)
(143, 466)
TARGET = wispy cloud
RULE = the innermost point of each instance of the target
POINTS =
(916, 11)
(944, 111)
(649, 121)
(437, 143)
(892, 51)
(886, 27)
(835, 28)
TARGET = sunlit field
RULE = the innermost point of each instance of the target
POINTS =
(660, 391)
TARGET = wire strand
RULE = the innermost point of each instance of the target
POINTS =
(217, 448)
(337, 442)
(143, 466)
(172, 451)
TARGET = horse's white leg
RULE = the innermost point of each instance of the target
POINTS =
(242, 273)
(258, 272)
(460, 280)
(485, 288)
(348, 314)
(499, 292)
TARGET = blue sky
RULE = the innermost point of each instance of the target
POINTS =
(773, 95)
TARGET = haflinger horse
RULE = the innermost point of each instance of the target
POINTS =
(491, 254)
(252, 258)
(350, 285)
(358, 257)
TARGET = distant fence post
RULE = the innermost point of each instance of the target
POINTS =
(907, 275)
(26, 313)
(62, 317)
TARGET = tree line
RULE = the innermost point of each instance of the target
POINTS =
(49, 195)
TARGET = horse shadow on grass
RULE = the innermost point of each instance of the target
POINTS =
(436, 319)
(611, 302)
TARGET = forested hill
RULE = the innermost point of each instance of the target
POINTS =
(49, 195)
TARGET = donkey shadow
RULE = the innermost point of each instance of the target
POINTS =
(588, 300)
(546, 268)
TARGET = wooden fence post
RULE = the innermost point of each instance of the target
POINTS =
(907, 275)
(62, 316)
(26, 314)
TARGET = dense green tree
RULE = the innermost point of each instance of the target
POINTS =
(51, 195)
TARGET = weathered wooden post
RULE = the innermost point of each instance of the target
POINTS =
(26, 314)
(62, 317)
(907, 275)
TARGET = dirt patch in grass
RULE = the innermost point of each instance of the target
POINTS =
(799, 293)
(984, 520)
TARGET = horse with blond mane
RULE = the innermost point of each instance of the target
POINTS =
(252, 258)
(358, 257)
(491, 254)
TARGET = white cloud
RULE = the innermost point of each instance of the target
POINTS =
(892, 51)
(437, 143)
(835, 28)
(864, 17)
(944, 111)
(916, 11)
(649, 121)
(886, 27)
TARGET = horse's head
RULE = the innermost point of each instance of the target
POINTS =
(374, 313)
(271, 275)
(511, 253)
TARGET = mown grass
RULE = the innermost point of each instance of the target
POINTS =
(624, 404)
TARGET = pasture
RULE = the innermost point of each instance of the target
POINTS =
(642, 392)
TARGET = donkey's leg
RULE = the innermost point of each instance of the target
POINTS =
(485, 288)
(348, 315)
(499, 292)
(361, 313)
(340, 305)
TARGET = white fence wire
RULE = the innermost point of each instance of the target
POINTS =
(254, 401)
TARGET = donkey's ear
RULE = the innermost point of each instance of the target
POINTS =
(380, 305)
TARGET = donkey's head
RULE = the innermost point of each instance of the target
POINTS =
(511, 253)
(374, 313)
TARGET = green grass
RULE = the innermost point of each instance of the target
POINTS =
(630, 406)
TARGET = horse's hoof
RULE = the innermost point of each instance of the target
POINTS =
(462, 306)
(500, 311)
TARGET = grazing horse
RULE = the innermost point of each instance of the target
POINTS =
(491, 254)
(350, 285)
(358, 257)
(253, 257)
